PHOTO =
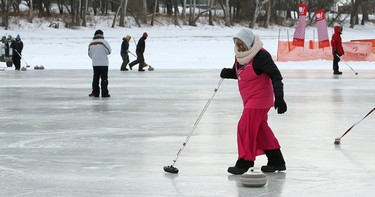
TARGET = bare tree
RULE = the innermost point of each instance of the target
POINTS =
(226, 13)
(30, 16)
(365, 8)
(5, 8)
(78, 11)
(84, 13)
(60, 5)
(268, 14)
(144, 14)
(44, 6)
(354, 13)
(210, 6)
(153, 13)
(118, 10)
(184, 12)
(192, 12)
(202, 13)
(338, 15)
(175, 7)
(123, 13)
(256, 11)
(16, 5)
(168, 4)
(135, 17)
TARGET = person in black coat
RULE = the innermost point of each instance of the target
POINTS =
(141, 46)
(17, 46)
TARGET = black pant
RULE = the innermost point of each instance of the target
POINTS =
(140, 60)
(16, 61)
(125, 61)
(335, 62)
(100, 72)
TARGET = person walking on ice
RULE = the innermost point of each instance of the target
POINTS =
(259, 82)
(141, 46)
(99, 49)
(125, 52)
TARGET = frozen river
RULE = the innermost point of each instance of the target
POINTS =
(57, 141)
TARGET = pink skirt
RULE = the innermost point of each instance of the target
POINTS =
(254, 135)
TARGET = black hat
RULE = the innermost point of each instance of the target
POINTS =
(98, 32)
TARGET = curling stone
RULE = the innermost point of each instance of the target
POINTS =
(253, 179)
(23, 68)
(41, 67)
(36, 67)
(150, 68)
(171, 169)
(337, 141)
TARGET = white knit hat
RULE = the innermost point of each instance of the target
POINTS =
(246, 36)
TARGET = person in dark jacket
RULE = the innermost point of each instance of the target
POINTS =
(17, 46)
(141, 46)
(98, 51)
(337, 49)
(260, 85)
(125, 52)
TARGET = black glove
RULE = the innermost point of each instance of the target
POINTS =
(280, 105)
(228, 73)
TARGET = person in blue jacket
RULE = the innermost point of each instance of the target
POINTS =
(125, 52)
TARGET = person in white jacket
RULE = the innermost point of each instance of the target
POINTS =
(99, 49)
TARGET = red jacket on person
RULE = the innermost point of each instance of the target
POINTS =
(336, 42)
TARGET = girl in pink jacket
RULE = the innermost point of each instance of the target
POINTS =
(260, 85)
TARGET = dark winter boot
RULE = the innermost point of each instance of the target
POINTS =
(131, 66)
(141, 66)
(337, 73)
(275, 161)
(93, 95)
(123, 68)
(95, 91)
(105, 92)
(241, 166)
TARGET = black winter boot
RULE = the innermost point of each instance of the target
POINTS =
(337, 72)
(275, 161)
(105, 92)
(241, 166)
(93, 95)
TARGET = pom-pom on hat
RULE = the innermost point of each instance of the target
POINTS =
(98, 32)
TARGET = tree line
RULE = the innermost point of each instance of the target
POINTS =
(252, 13)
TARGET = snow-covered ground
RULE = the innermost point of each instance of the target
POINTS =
(167, 47)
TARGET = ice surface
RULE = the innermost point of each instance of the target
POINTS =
(56, 141)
